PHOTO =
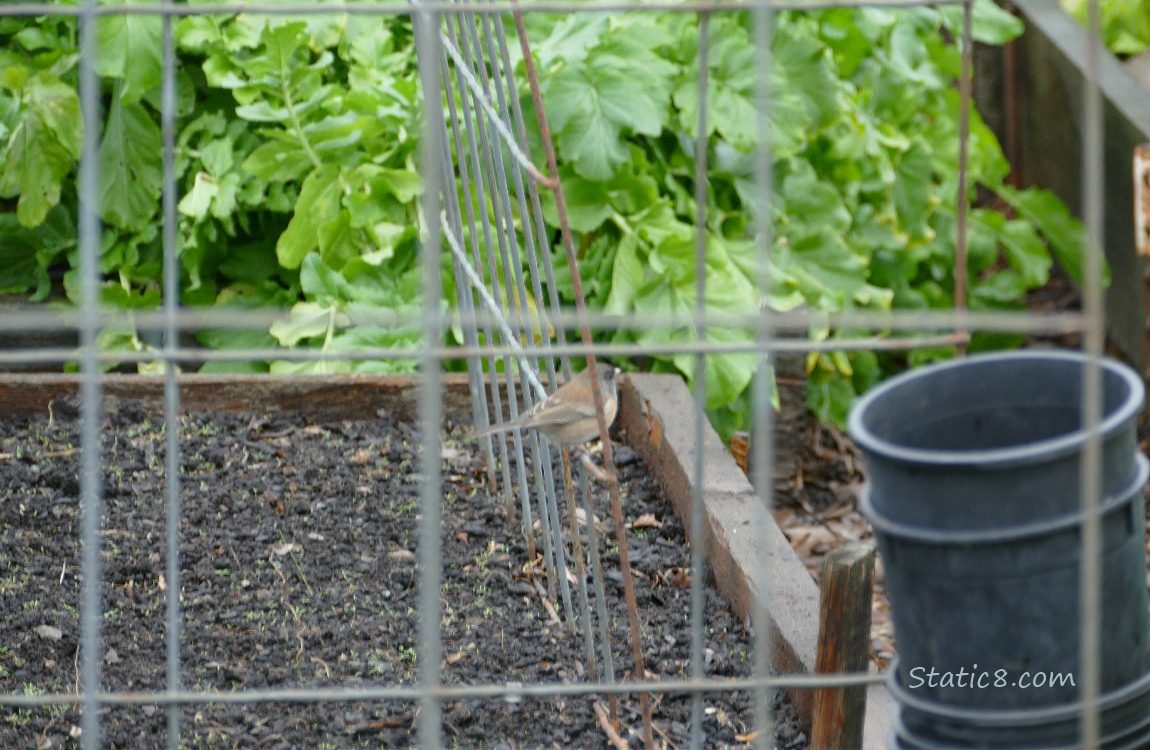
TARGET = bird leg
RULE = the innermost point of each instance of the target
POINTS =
(590, 466)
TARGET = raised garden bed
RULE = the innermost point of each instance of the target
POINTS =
(298, 540)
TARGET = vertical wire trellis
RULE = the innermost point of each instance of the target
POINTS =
(480, 231)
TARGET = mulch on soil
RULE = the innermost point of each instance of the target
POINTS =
(298, 559)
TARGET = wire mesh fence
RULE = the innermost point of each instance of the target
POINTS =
(483, 203)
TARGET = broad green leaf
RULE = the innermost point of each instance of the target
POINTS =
(587, 201)
(404, 184)
(14, 77)
(307, 320)
(802, 69)
(321, 283)
(338, 241)
(43, 144)
(379, 287)
(990, 23)
(830, 399)
(389, 337)
(20, 268)
(570, 39)
(34, 166)
(912, 189)
(729, 112)
(591, 109)
(1007, 287)
(278, 161)
(727, 375)
(58, 106)
(197, 33)
(1022, 246)
(626, 277)
(224, 203)
(128, 47)
(218, 156)
(984, 228)
(370, 41)
(828, 272)
(227, 338)
(35, 39)
(319, 203)
(130, 170)
(264, 111)
(198, 200)
(1064, 234)
(814, 203)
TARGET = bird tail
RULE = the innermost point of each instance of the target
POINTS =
(493, 429)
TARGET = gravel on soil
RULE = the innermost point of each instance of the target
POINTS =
(298, 570)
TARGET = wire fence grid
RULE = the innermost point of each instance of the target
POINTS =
(492, 228)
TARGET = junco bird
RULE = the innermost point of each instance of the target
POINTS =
(568, 414)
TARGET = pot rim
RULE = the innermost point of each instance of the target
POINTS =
(1060, 445)
(1108, 504)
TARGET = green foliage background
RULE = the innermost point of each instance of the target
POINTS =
(1125, 23)
(297, 141)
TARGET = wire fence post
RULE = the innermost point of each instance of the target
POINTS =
(91, 467)
(426, 25)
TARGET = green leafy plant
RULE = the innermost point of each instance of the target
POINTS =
(295, 170)
(1125, 23)
(863, 131)
(296, 148)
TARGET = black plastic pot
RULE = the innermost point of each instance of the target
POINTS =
(991, 440)
(973, 493)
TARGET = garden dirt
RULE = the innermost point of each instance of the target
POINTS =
(298, 569)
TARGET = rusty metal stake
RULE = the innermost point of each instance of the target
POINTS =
(596, 390)
(964, 93)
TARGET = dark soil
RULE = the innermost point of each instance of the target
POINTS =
(298, 549)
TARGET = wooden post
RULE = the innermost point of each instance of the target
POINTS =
(1142, 236)
(844, 645)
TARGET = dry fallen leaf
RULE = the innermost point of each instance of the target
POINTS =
(581, 518)
(655, 431)
(646, 521)
(741, 449)
(453, 454)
